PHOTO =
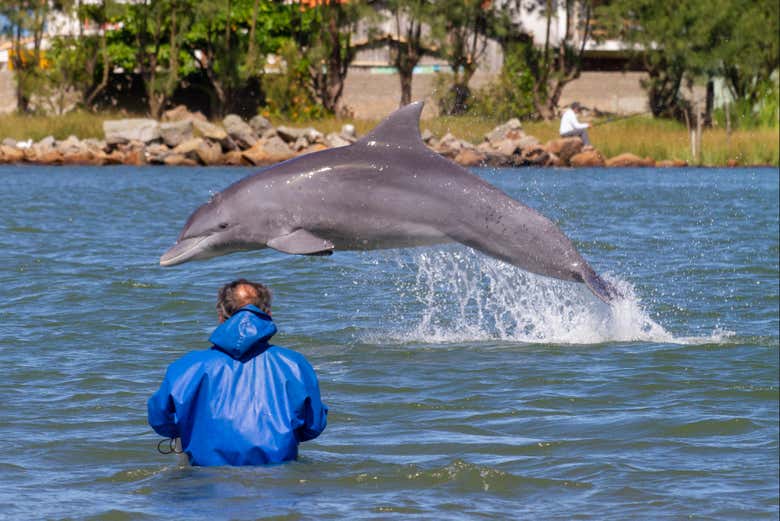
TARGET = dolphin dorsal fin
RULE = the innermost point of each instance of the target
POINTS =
(401, 128)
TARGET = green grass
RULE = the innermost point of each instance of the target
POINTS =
(80, 124)
(643, 136)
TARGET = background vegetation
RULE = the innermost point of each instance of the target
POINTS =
(290, 61)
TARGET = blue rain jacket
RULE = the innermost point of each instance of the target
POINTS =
(242, 402)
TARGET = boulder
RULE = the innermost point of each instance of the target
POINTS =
(240, 131)
(9, 142)
(314, 136)
(209, 153)
(512, 129)
(214, 133)
(182, 113)
(43, 152)
(470, 157)
(199, 149)
(536, 155)
(174, 133)
(449, 146)
(133, 156)
(565, 147)
(47, 143)
(125, 130)
(179, 160)
(156, 153)
(526, 141)
(300, 144)
(50, 156)
(71, 145)
(115, 157)
(506, 147)
(11, 154)
(554, 161)
(628, 159)
(426, 136)
(290, 134)
(316, 147)
(266, 152)
(189, 148)
(334, 140)
(348, 132)
(268, 134)
(587, 158)
(259, 125)
(732, 163)
(83, 157)
(235, 158)
(95, 144)
(277, 148)
(493, 158)
(671, 163)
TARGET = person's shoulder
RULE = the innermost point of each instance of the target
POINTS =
(193, 359)
(288, 354)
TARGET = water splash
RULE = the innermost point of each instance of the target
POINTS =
(456, 295)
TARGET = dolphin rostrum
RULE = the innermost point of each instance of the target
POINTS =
(387, 190)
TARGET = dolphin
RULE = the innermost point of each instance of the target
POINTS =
(387, 190)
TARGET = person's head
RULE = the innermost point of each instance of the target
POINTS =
(239, 293)
(576, 107)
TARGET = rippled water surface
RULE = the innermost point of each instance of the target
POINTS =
(459, 387)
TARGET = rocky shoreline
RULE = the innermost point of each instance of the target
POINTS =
(184, 138)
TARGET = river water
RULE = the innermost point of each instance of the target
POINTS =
(459, 387)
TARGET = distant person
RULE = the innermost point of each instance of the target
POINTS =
(570, 125)
(243, 401)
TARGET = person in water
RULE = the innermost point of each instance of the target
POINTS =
(570, 125)
(243, 401)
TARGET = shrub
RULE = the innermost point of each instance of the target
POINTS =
(286, 92)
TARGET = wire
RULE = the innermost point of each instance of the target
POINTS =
(171, 449)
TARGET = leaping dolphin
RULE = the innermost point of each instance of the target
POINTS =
(387, 190)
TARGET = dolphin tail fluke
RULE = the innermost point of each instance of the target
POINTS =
(601, 288)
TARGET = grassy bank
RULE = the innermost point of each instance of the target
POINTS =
(659, 139)
(80, 124)
(643, 136)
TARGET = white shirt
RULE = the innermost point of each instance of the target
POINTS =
(569, 122)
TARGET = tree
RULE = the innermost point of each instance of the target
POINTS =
(25, 26)
(411, 41)
(215, 50)
(510, 95)
(748, 47)
(559, 62)
(98, 64)
(79, 62)
(153, 30)
(324, 33)
(680, 42)
(463, 28)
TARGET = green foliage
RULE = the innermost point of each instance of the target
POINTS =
(684, 41)
(461, 29)
(510, 95)
(745, 114)
(36, 127)
(286, 92)
(328, 46)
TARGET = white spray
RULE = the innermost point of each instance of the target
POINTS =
(457, 295)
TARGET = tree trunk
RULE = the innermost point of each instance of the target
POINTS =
(710, 102)
(405, 75)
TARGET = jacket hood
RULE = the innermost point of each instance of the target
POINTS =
(245, 334)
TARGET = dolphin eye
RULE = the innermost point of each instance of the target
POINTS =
(223, 226)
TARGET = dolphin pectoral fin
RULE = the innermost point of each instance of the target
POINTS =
(301, 242)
